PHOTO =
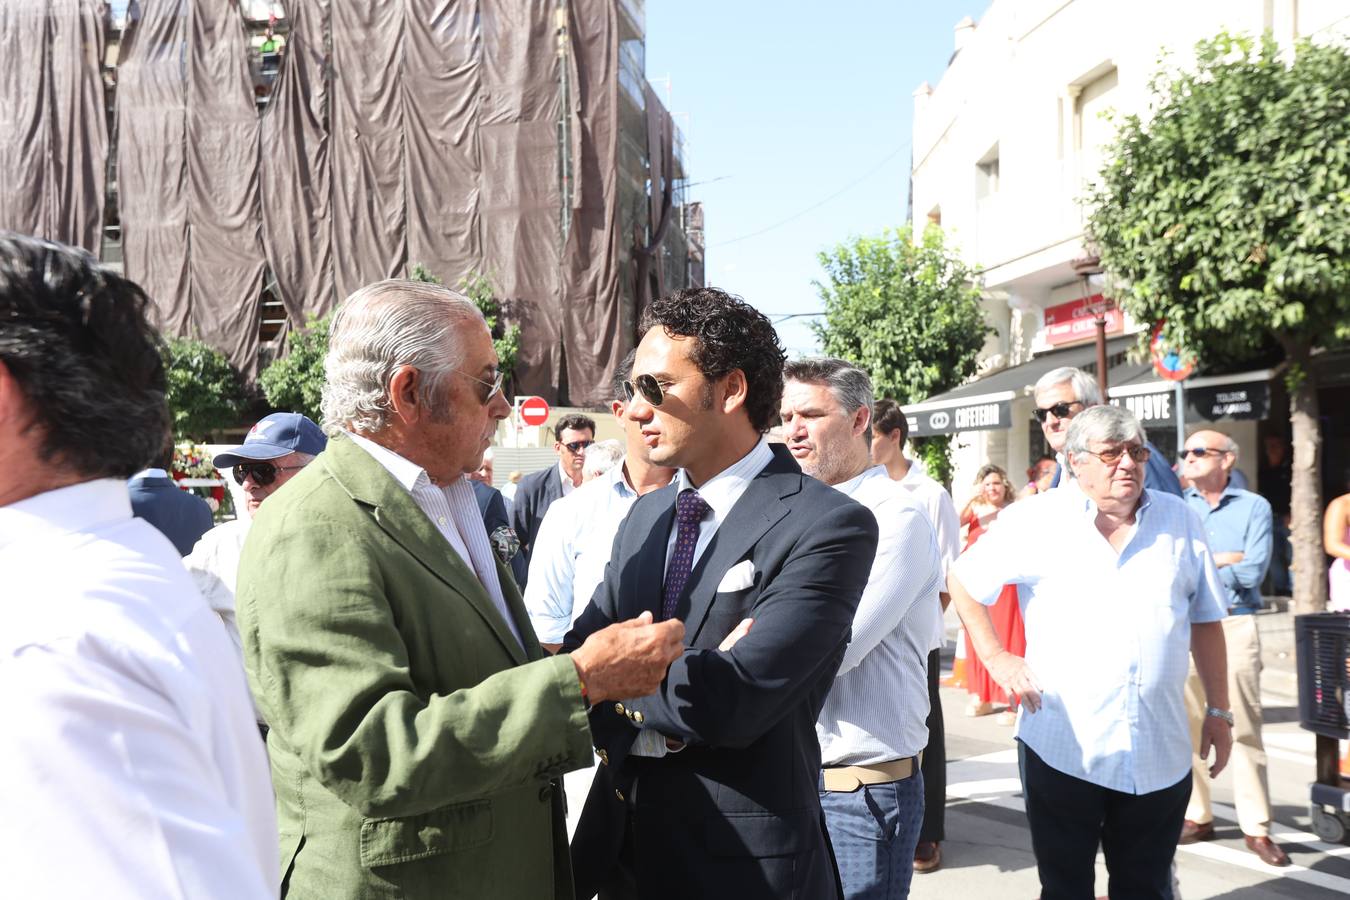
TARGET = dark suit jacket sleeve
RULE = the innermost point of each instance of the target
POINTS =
(802, 624)
(1158, 475)
(494, 517)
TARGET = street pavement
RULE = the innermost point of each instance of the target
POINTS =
(988, 848)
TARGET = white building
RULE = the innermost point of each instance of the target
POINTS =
(1003, 147)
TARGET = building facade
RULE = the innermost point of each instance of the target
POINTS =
(1005, 145)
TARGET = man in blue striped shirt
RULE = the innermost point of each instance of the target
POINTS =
(1237, 524)
(873, 724)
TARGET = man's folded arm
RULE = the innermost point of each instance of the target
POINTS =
(332, 676)
(801, 624)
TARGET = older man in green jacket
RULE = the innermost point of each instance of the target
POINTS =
(418, 732)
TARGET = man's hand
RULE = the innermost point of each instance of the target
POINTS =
(1216, 733)
(628, 659)
(1015, 676)
(737, 633)
(1228, 558)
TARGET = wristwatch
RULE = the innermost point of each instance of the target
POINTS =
(1220, 714)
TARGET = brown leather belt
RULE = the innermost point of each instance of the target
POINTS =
(846, 779)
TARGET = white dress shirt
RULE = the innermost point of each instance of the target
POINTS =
(888, 653)
(571, 551)
(1108, 635)
(937, 504)
(453, 511)
(129, 758)
(214, 566)
(566, 477)
(720, 493)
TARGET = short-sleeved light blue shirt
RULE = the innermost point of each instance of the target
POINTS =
(1108, 635)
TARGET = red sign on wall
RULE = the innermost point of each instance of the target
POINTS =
(1076, 321)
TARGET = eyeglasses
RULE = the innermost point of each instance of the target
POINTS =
(1202, 452)
(495, 384)
(264, 473)
(1113, 456)
(575, 447)
(1061, 410)
(651, 390)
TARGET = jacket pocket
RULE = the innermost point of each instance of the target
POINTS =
(760, 834)
(385, 842)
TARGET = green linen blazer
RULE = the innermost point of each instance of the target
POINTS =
(415, 747)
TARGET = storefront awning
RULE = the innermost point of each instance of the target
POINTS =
(987, 404)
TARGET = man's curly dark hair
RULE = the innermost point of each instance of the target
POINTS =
(729, 334)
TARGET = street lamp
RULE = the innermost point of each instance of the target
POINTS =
(1086, 267)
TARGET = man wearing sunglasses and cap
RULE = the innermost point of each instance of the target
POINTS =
(1063, 393)
(274, 450)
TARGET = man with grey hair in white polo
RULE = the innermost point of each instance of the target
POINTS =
(1063, 393)
(1113, 605)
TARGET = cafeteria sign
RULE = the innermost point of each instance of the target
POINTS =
(971, 417)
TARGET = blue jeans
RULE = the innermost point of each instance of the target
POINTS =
(874, 830)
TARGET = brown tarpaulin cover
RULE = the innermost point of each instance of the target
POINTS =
(431, 136)
(188, 173)
(53, 132)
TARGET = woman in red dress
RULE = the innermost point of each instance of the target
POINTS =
(993, 493)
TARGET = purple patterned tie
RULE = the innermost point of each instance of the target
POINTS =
(690, 509)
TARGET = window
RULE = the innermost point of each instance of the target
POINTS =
(986, 174)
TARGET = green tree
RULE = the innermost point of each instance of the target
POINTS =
(1226, 213)
(478, 288)
(294, 382)
(205, 393)
(909, 313)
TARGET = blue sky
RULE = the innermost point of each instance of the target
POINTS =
(789, 103)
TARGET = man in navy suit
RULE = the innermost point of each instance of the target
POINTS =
(708, 788)
(505, 543)
(1063, 393)
(180, 516)
(538, 490)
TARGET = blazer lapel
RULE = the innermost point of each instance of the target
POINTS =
(400, 517)
(757, 510)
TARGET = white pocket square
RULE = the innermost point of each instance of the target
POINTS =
(738, 577)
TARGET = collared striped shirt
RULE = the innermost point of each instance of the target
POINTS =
(453, 511)
(887, 656)
(1108, 634)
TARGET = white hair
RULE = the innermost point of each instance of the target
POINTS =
(600, 457)
(1085, 388)
(1114, 424)
(377, 329)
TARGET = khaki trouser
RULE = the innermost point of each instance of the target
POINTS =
(1248, 762)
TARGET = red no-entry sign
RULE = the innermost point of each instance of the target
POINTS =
(534, 411)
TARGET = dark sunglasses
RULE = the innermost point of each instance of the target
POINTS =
(264, 473)
(1202, 452)
(1113, 456)
(575, 447)
(649, 388)
(1061, 410)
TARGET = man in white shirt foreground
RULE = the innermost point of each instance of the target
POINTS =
(129, 758)
(890, 431)
(871, 789)
(274, 450)
(1113, 607)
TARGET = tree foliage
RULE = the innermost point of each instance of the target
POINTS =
(907, 313)
(1226, 213)
(478, 288)
(294, 382)
(205, 393)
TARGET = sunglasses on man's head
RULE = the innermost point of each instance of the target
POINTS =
(575, 447)
(1061, 410)
(264, 473)
(1202, 452)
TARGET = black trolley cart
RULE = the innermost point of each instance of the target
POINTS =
(1322, 642)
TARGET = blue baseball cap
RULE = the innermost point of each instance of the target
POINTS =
(274, 437)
